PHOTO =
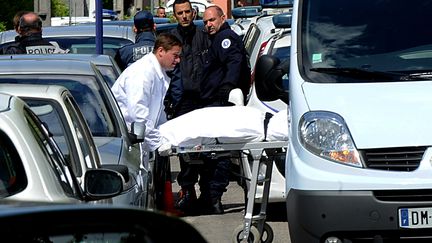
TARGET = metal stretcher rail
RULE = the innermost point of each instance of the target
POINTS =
(253, 226)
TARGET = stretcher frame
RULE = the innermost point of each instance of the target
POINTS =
(256, 151)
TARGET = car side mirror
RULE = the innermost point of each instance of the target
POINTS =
(123, 170)
(137, 133)
(268, 78)
(102, 183)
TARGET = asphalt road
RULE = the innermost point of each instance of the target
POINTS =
(220, 228)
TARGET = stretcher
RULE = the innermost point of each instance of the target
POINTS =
(252, 156)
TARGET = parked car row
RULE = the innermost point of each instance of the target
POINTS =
(93, 96)
(83, 117)
(34, 169)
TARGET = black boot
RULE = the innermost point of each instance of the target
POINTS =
(210, 206)
(216, 207)
(186, 200)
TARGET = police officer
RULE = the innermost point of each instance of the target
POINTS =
(226, 69)
(144, 40)
(29, 39)
(228, 66)
(184, 92)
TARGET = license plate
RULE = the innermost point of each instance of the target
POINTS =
(415, 218)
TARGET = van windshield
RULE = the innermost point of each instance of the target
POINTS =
(369, 40)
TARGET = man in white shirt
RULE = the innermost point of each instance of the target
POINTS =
(141, 88)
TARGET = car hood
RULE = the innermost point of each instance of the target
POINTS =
(378, 114)
(110, 149)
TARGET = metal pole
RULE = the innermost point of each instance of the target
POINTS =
(99, 29)
(70, 12)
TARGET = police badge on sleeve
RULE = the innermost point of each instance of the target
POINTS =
(226, 43)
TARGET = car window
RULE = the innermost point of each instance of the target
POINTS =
(48, 113)
(251, 37)
(53, 155)
(87, 45)
(80, 127)
(87, 94)
(12, 175)
(283, 54)
(109, 74)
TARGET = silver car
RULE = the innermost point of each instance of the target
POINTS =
(104, 63)
(115, 144)
(81, 38)
(57, 109)
(32, 167)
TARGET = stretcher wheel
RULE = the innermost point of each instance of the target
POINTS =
(267, 234)
(253, 235)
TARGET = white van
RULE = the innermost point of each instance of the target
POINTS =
(359, 166)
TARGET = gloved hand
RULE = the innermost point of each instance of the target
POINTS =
(223, 93)
(165, 149)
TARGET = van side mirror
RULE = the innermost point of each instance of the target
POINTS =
(268, 78)
(137, 133)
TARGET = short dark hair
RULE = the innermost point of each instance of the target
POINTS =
(181, 2)
(167, 41)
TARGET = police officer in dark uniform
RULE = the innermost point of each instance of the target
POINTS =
(184, 93)
(227, 66)
(225, 69)
(144, 40)
(29, 39)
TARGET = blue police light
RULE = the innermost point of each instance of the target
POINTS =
(276, 3)
(282, 20)
(246, 12)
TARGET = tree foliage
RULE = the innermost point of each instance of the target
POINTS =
(59, 8)
(9, 8)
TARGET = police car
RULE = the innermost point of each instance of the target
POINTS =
(278, 44)
(243, 18)
(80, 38)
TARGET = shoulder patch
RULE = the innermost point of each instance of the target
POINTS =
(226, 43)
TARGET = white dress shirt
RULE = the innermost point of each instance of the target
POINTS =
(140, 91)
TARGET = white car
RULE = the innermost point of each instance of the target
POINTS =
(243, 18)
(104, 63)
(33, 169)
(263, 98)
(260, 29)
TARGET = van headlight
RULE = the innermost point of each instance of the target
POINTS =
(326, 135)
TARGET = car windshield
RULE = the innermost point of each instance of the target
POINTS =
(359, 41)
(87, 45)
(86, 92)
